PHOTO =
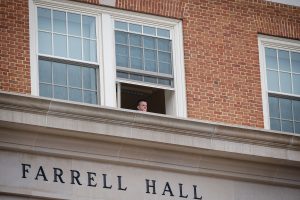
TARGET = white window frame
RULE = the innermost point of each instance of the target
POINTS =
(105, 18)
(278, 43)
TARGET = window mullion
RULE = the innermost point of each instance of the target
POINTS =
(109, 67)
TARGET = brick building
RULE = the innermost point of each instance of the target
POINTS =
(222, 82)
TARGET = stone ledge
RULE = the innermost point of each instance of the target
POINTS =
(148, 121)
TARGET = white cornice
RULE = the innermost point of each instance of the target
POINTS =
(42, 126)
(287, 2)
(148, 121)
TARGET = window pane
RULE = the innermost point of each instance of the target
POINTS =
(164, 82)
(75, 95)
(59, 73)
(163, 33)
(89, 26)
(45, 43)
(287, 126)
(89, 50)
(296, 109)
(275, 124)
(149, 42)
(90, 97)
(60, 45)
(274, 107)
(44, 19)
(284, 60)
(145, 51)
(285, 82)
(74, 24)
(286, 109)
(135, 28)
(150, 54)
(136, 77)
(45, 71)
(45, 90)
(297, 127)
(296, 83)
(136, 63)
(135, 40)
(150, 66)
(74, 75)
(122, 75)
(136, 52)
(164, 45)
(121, 37)
(60, 92)
(272, 77)
(121, 25)
(59, 21)
(295, 57)
(122, 50)
(271, 58)
(150, 79)
(89, 78)
(75, 48)
(149, 30)
(164, 57)
(122, 61)
(165, 68)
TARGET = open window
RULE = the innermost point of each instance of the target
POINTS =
(145, 66)
(129, 94)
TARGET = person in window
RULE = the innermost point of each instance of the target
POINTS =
(142, 105)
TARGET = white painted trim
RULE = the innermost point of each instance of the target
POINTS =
(100, 63)
(109, 63)
(34, 75)
(264, 90)
(287, 2)
(144, 84)
(272, 42)
(281, 43)
(116, 13)
(179, 72)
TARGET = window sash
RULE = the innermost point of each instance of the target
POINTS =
(124, 47)
(85, 62)
(49, 36)
(55, 76)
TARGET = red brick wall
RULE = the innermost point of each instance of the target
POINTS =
(14, 46)
(220, 47)
(221, 52)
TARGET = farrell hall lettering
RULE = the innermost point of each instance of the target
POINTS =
(101, 180)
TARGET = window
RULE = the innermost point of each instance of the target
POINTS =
(281, 65)
(67, 55)
(144, 63)
(143, 53)
(99, 55)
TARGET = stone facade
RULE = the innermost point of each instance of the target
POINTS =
(58, 150)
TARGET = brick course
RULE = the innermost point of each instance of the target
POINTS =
(220, 47)
(14, 46)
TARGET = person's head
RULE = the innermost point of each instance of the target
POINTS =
(142, 105)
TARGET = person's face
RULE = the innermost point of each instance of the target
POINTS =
(142, 106)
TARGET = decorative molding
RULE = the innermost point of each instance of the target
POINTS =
(40, 126)
(149, 121)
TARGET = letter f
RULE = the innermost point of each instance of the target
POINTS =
(25, 170)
